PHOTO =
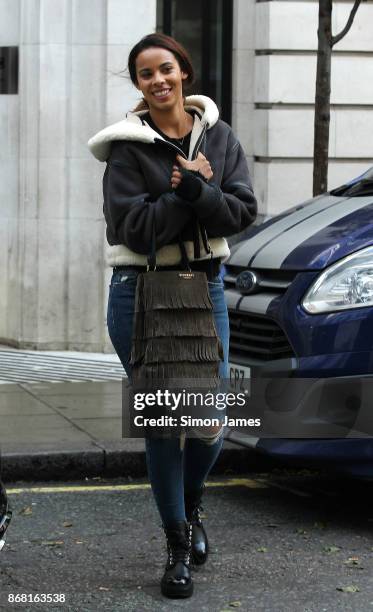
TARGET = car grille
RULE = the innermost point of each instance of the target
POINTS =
(276, 281)
(257, 337)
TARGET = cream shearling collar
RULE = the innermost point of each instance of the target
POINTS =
(132, 127)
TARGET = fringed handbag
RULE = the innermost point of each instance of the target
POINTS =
(174, 334)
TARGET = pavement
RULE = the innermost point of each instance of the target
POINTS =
(290, 542)
(73, 429)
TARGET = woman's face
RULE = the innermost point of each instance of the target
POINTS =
(159, 78)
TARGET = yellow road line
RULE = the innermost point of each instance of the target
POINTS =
(299, 492)
(232, 482)
(239, 482)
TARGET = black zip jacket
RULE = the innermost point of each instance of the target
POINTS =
(137, 185)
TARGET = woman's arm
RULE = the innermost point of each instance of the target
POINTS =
(128, 209)
(226, 209)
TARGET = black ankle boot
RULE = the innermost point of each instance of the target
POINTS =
(5, 514)
(200, 544)
(177, 580)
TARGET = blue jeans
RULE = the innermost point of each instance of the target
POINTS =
(172, 471)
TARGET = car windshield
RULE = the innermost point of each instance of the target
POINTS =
(369, 174)
(359, 186)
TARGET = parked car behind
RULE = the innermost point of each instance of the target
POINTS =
(5, 515)
(299, 291)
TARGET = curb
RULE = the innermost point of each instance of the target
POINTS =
(108, 459)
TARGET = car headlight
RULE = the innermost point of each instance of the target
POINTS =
(346, 284)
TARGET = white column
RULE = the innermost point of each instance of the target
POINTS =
(52, 241)
(243, 65)
(9, 170)
(127, 23)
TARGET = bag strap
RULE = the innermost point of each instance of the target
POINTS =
(205, 240)
(152, 257)
(207, 247)
(184, 256)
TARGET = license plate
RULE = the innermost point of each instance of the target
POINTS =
(238, 377)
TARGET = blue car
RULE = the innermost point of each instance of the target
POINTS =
(299, 290)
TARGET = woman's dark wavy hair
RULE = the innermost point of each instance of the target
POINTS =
(166, 42)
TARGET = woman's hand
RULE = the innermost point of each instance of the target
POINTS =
(200, 164)
(176, 177)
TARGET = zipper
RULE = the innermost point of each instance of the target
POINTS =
(198, 143)
(205, 241)
(169, 144)
(180, 151)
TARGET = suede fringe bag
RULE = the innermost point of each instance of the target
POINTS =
(174, 333)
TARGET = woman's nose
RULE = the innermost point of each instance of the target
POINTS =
(158, 78)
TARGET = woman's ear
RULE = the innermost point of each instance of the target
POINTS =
(184, 75)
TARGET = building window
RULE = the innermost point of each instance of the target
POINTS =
(204, 27)
(8, 70)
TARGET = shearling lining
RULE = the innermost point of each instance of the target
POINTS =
(132, 127)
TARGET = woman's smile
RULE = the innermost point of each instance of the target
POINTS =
(162, 94)
(160, 78)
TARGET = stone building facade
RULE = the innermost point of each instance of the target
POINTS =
(54, 280)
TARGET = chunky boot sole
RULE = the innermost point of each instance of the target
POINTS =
(198, 557)
(196, 560)
(177, 591)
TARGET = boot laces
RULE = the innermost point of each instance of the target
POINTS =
(196, 515)
(181, 551)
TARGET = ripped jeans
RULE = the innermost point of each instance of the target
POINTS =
(173, 472)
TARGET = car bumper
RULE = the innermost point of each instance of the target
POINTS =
(324, 421)
(349, 456)
(346, 337)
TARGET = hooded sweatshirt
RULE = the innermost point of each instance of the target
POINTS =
(139, 201)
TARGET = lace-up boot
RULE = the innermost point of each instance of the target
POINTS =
(200, 545)
(177, 581)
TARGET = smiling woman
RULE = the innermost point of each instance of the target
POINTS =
(176, 176)
(160, 73)
(160, 79)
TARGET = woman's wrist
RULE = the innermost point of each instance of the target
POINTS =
(190, 185)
